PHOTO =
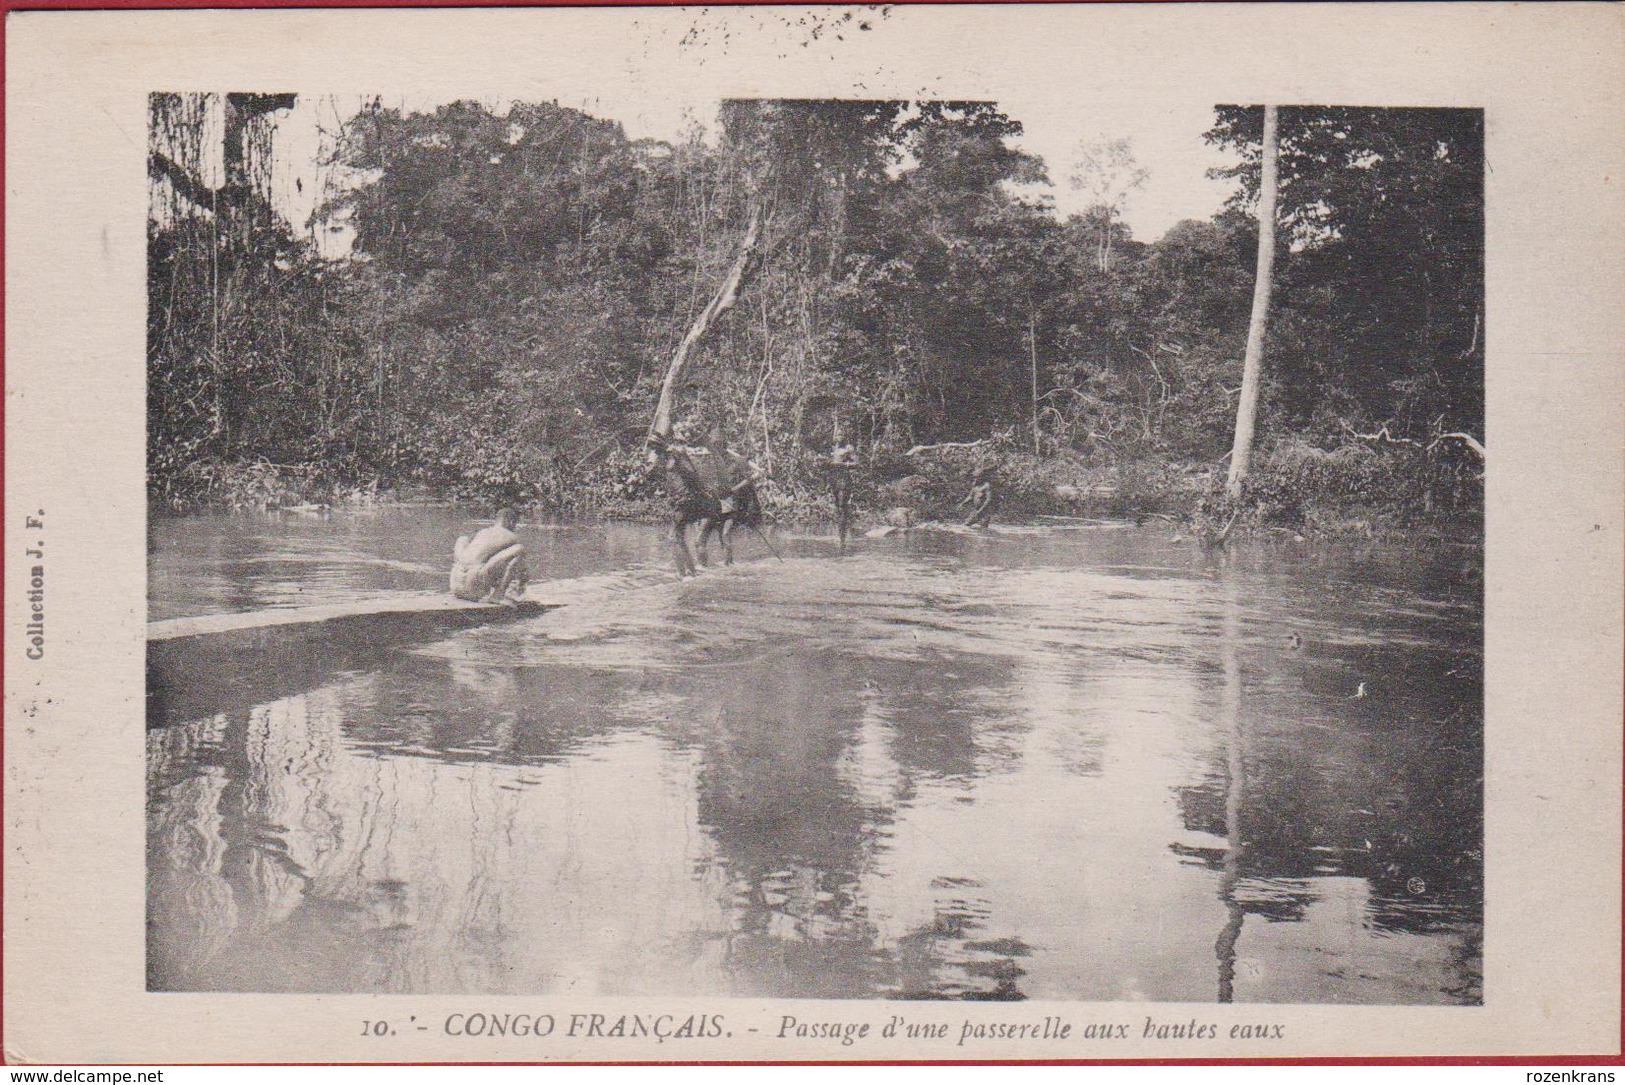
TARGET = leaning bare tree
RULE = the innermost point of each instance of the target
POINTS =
(1252, 369)
(726, 294)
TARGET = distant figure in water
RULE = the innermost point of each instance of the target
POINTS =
(490, 566)
(842, 466)
(981, 499)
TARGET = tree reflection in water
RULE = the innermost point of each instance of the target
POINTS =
(1235, 787)
(926, 781)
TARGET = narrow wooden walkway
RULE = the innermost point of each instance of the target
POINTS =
(214, 662)
(417, 609)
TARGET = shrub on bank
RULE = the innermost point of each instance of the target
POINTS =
(239, 487)
(1350, 488)
(1355, 487)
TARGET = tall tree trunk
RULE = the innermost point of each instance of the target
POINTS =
(837, 232)
(1032, 360)
(720, 303)
(1241, 452)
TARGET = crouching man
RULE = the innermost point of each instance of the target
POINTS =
(490, 566)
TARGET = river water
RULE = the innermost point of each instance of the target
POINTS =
(1077, 761)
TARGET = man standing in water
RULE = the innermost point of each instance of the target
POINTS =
(842, 466)
(490, 566)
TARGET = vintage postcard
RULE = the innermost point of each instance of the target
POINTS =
(876, 533)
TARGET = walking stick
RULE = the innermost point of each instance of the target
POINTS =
(771, 549)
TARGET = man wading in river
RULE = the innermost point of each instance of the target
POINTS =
(490, 567)
(842, 465)
(717, 489)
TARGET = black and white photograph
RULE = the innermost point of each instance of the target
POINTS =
(833, 548)
(719, 559)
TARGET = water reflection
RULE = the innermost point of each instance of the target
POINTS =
(1366, 816)
(994, 768)
(1235, 787)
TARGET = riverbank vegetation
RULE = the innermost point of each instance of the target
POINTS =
(518, 282)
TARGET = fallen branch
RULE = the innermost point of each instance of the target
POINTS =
(1467, 438)
(1381, 435)
(917, 449)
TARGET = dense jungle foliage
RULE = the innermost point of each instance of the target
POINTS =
(518, 282)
